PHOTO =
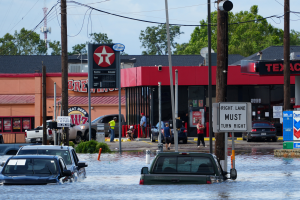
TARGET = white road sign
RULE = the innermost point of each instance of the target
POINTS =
(63, 121)
(233, 117)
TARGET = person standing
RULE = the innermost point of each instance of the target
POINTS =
(112, 125)
(168, 136)
(200, 133)
(143, 124)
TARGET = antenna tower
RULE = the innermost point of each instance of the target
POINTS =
(44, 29)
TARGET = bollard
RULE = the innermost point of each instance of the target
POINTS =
(99, 154)
(147, 156)
(158, 151)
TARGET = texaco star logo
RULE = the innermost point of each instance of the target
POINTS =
(104, 56)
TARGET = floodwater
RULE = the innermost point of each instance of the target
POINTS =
(116, 176)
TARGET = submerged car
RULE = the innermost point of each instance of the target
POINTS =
(34, 170)
(261, 130)
(184, 168)
(66, 152)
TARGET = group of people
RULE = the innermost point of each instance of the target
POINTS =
(132, 133)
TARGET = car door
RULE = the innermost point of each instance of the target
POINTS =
(63, 167)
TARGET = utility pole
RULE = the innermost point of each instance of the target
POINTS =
(220, 79)
(64, 65)
(286, 55)
(44, 105)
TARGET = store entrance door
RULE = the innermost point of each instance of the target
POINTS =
(260, 112)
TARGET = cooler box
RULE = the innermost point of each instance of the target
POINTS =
(288, 145)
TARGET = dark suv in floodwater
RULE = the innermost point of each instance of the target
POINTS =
(184, 168)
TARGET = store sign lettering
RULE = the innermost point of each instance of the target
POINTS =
(81, 86)
(278, 67)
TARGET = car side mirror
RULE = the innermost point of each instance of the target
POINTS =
(67, 173)
(233, 174)
(82, 164)
(2, 164)
(145, 170)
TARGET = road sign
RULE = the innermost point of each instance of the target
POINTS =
(63, 121)
(104, 65)
(232, 117)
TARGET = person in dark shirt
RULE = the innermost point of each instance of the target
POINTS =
(168, 136)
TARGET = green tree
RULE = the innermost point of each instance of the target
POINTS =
(24, 42)
(154, 39)
(100, 38)
(77, 48)
(56, 47)
(244, 38)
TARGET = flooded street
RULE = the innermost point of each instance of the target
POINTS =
(260, 176)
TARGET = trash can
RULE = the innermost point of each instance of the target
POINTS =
(100, 137)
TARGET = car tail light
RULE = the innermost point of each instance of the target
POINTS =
(272, 129)
(141, 181)
(183, 153)
(50, 132)
(253, 130)
(208, 182)
(185, 131)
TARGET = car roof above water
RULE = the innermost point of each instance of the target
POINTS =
(50, 147)
(35, 156)
(184, 154)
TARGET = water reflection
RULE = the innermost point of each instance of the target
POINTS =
(116, 176)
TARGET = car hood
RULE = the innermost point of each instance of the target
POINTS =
(28, 180)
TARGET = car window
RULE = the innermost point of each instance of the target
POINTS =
(95, 120)
(75, 157)
(31, 166)
(63, 153)
(184, 164)
(62, 164)
(108, 119)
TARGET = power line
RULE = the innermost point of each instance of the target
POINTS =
(141, 20)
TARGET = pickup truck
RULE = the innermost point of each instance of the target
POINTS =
(10, 149)
(83, 129)
(36, 135)
(184, 168)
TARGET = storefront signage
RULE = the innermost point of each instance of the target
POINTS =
(288, 126)
(296, 125)
(16, 123)
(78, 115)
(26, 123)
(80, 86)
(269, 67)
(104, 66)
(196, 116)
(7, 124)
(232, 117)
(296, 145)
(277, 111)
(63, 121)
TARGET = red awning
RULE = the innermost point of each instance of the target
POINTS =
(108, 100)
(17, 99)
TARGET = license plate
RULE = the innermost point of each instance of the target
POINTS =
(263, 134)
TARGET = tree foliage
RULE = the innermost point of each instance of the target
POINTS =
(244, 38)
(56, 47)
(100, 38)
(154, 39)
(24, 42)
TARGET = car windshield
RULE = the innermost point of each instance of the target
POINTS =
(183, 165)
(261, 124)
(63, 153)
(32, 166)
(95, 120)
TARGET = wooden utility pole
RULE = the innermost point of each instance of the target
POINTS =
(64, 65)
(286, 55)
(44, 105)
(220, 77)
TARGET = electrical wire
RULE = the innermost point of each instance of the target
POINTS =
(81, 25)
(135, 19)
(31, 31)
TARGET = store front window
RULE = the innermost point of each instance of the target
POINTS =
(16, 124)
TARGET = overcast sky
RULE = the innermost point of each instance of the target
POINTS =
(16, 14)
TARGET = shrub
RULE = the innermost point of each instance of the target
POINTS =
(71, 144)
(92, 147)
